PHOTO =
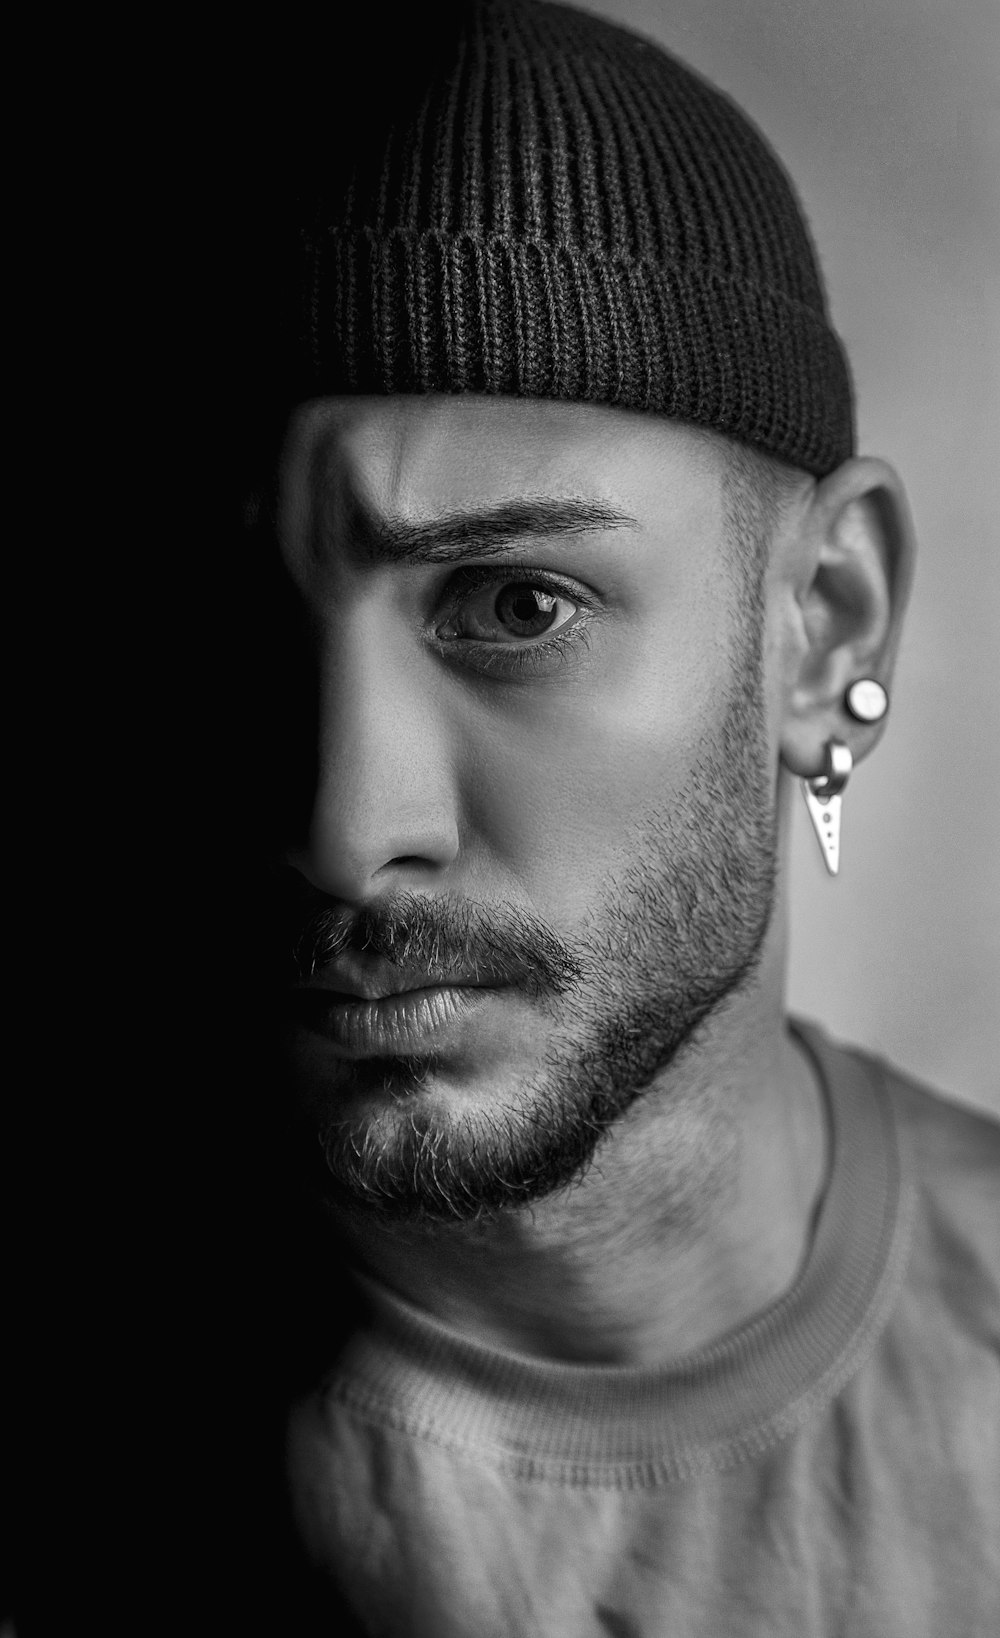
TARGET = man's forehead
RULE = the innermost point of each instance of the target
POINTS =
(420, 456)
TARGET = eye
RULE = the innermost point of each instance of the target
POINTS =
(510, 611)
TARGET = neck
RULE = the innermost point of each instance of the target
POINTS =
(695, 1215)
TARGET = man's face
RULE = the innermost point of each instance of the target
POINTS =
(542, 842)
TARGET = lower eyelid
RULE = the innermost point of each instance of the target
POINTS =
(523, 656)
(548, 654)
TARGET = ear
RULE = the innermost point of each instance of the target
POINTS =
(850, 570)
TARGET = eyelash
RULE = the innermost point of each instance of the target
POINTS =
(531, 654)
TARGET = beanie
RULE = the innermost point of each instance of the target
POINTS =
(560, 209)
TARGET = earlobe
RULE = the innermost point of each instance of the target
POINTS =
(856, 558)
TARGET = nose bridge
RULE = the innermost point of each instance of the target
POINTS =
(385, 804)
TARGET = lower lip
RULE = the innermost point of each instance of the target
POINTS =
(396, 1023)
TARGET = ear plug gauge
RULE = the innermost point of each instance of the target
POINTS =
(866, 700)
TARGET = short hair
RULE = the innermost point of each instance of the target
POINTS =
(758, 491)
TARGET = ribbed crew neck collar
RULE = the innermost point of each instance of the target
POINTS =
(710, 1409)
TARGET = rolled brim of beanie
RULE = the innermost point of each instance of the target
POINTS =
(436, 312)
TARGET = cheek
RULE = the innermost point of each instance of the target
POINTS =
(554, 774)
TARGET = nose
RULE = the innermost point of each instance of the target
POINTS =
(385, 810)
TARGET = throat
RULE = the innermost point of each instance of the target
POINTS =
(695, 1216)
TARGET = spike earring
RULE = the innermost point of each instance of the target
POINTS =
(823, 799)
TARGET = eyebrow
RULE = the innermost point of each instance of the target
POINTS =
(485, 532)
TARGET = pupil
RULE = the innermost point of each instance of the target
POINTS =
(525, 606)
(521, 606)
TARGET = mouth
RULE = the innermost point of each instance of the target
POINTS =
(384, 1025)
(354, 979)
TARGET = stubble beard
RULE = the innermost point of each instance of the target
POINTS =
(678, 933)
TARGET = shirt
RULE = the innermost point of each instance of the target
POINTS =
(830, 1467)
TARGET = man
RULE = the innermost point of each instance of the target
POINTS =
(666, 1315)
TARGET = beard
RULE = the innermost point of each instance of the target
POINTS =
(674, 934)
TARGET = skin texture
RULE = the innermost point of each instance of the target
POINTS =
(648, 1144)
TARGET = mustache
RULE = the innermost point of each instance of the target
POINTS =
(495, 943)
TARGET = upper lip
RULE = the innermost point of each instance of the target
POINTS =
(373, 981)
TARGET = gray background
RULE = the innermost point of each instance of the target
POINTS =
(886, 114)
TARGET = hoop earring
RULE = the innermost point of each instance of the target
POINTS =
(823, 796)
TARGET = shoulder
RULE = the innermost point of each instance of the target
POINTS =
(953, 1154)
(949, 1142)
(954, 1148)
(949, 1153)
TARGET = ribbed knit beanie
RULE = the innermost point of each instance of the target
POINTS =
(560, 209)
